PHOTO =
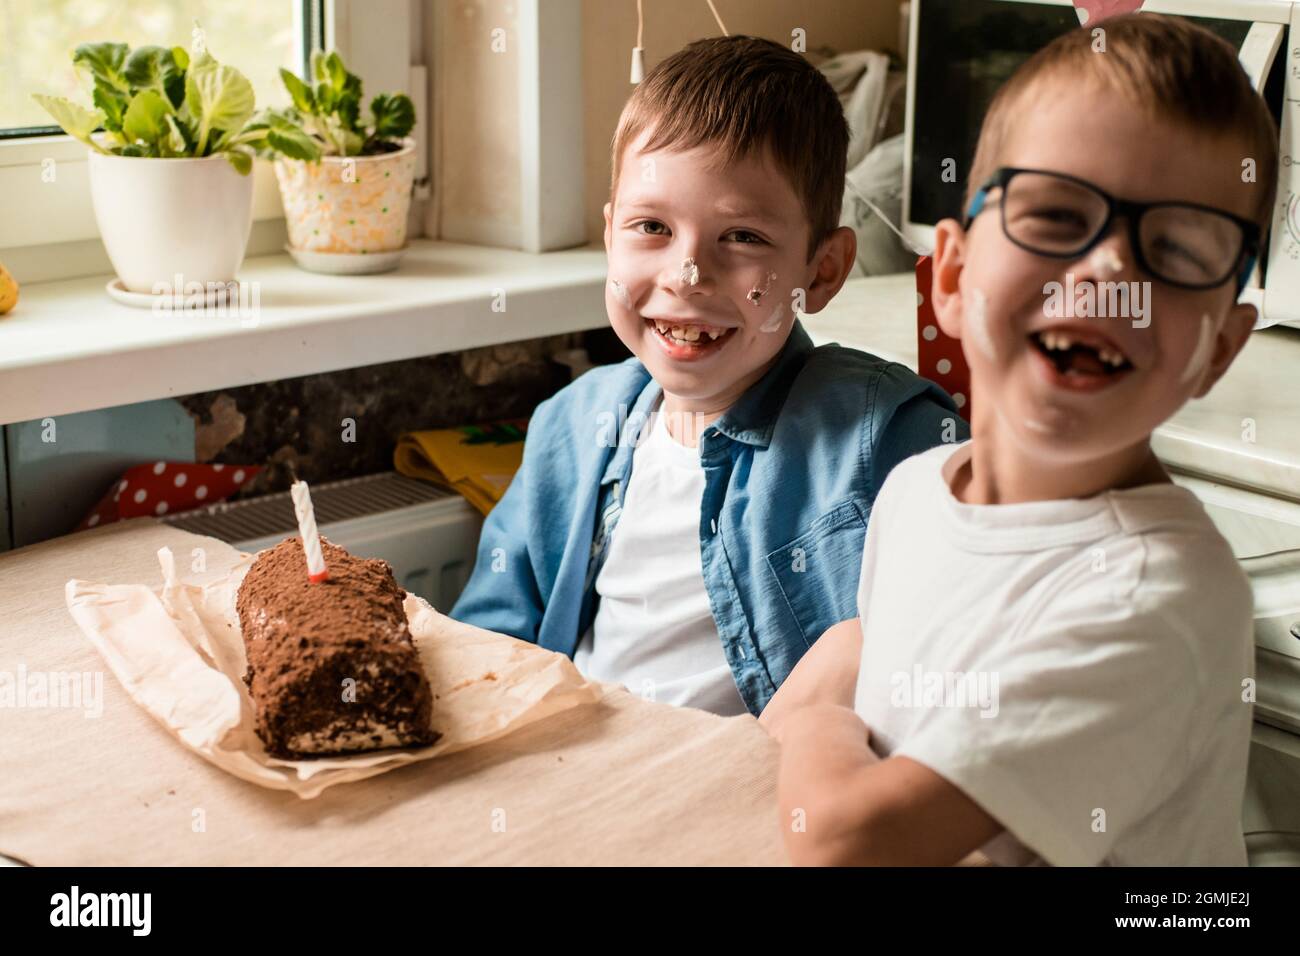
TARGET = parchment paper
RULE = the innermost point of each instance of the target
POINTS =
(179, 654)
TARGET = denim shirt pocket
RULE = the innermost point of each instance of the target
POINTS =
(819, 571)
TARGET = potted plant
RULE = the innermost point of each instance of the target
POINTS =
(346, 202)
(169, 174)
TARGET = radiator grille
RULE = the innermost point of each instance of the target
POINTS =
(333, 501)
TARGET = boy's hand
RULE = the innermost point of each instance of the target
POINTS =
(842, 805)
(826, 674)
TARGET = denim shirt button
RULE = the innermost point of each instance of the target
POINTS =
(713, 523)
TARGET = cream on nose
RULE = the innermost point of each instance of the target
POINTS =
(1106, 261)
(690, 272)
(1111, 256)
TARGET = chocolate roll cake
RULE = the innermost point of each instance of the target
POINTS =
(306, 641)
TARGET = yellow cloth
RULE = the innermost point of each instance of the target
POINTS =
(477, 461)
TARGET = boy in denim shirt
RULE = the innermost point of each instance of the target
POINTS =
(688, 522)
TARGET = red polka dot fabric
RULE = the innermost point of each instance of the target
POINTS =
(166, 487)
(939, 356)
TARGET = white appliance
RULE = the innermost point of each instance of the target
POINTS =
(1265, 535)
(428, 535)
(960, 52)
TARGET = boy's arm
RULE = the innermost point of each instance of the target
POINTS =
(841, 805)
(826, 674)
(502, 593)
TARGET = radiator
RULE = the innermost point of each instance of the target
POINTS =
(428, 535)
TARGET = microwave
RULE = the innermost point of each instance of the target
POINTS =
(961, 51)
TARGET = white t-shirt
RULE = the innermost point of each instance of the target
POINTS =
(654, 630)
(1086, 656)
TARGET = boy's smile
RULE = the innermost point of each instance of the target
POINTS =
(685, 339)
(1078, 358)
(706, 269)
(1055, 376)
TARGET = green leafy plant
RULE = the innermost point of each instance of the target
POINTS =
(328, 111)
(156, 102)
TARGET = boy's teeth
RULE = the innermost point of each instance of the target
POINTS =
(686, 333)
(1062, 342)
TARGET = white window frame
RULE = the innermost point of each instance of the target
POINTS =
(552, 196)
(551, 176)
(50, 233)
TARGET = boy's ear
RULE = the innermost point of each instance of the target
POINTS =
(834, 260)
(1229, 342)
(945, 288)
(609, 224)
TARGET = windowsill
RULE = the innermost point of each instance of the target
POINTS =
(67, 347)
(1242, 433)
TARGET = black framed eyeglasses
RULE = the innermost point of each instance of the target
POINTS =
(1187, 245)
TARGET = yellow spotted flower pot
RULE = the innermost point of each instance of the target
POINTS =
(354, 205)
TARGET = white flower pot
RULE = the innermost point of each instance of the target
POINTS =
(160, 218)
(354, 205)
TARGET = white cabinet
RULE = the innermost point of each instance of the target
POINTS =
(1265, 534)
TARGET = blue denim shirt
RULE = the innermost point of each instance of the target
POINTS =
(791, 472)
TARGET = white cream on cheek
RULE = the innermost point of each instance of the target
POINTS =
(620, 293)
(978, 321)
(755, 296)
(774, 321)
(1201, 354)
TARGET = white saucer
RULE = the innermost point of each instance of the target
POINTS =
(147, 300)
(347, 263)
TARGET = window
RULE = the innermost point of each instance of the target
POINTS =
(48, 229)
(37, 38)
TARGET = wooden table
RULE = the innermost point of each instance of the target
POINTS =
(622, 782)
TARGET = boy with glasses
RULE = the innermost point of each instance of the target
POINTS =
(1053, 657)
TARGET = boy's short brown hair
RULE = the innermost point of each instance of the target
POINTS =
(1169, 67)
(745, 95)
